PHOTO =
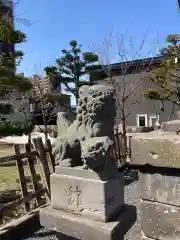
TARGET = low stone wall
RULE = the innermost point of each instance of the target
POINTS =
(135, 129)
(157, 155)
(139, 129)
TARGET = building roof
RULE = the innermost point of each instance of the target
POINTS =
(100, 72)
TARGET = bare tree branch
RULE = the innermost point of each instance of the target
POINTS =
(126, 53)
(41, 98)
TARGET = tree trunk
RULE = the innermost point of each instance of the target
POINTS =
(76, 90)
(45, 126)
(46, 132)
(29, 138)
(124, 134)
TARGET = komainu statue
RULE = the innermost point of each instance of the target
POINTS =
(88, 140)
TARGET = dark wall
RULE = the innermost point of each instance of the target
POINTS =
(133, 85)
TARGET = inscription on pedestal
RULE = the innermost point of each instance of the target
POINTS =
(74, 196)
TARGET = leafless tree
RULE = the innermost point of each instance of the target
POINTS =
(129, 91)
(21, 104)
(44, 107)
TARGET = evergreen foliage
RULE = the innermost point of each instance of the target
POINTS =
(71, 67)
(10, 81)
(166, 77)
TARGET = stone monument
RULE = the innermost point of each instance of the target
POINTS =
(158, 156)
(87, 191)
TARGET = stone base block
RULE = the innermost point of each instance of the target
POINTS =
(92, 198)
(80, 172)
(82, 228)
(141, 236)
(171, 126)
(146, 238)
(160, 188)
(160, 221)
(160, 149)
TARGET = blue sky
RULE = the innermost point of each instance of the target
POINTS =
(55, 22)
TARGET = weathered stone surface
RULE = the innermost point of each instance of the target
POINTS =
(82, 228)
(178, 115)
(88, 140)
(157, 149)
(92, 198)
(141, 236)
(160, 221)
(77, 172)
(171, 126)
(146, 238)
(80, 172)
(160, 188)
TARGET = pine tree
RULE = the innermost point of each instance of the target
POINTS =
(70, 67)
(9, 80)
(166, 77)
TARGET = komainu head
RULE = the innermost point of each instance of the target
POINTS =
(96, 109)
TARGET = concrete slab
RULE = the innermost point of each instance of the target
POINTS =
(171, 126)
(156, 149)
(160, 221)
(141, 236)
(82, 228)
(160, 188)
(80, 172)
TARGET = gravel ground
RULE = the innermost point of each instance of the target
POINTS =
(131, 198)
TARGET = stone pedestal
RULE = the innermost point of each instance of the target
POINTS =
(159, 184)
(82, 228)
(84, 193)
(85, 206)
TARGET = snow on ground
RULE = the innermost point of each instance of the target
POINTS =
(24, 139)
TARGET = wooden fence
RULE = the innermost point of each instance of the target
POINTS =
(122, 147)
(36, 154)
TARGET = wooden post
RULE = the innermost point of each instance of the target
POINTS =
(124, 148)
(49, 146)
(33, 172)
(22, 178)
(130, 137)
(114, 150)
(119, 144)
(41, 154)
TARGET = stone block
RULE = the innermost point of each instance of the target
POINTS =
(156, 149)
(141, 236)
(146, 238)
(178, 115)
(95, 199)
(160, 188)
(82, 228)
(171, 126)
(160, 221)
(80, 172)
